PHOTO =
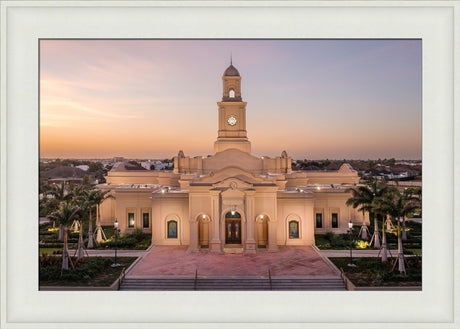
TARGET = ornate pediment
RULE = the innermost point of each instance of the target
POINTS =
(223, 178)
(233, 184)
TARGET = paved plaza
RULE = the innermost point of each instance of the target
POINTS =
(176, 261)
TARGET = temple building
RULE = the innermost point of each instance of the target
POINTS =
(231, 200)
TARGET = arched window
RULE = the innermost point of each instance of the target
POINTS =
(293, 229)
(172, 229)
(231, 93)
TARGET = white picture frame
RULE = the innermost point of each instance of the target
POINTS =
(23, 23)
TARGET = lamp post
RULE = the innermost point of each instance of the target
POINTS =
(116, 231)
(350, 233)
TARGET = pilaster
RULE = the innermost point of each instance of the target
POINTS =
(250, 243)
(193, 246)
(215, 245)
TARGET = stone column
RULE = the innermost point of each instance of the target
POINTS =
(215, 245)
(250, 243)
(193, 246)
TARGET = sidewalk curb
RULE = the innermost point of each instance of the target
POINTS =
(326, 260)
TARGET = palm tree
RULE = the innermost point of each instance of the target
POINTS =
(398, 205)
(363, 197)
(86, 197)
(381, 210)
(81, 199)
(91, 196)
(97, 198)
(63, 215)
(415, 194)
(60, 193)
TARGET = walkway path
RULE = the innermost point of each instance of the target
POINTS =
(139, 253)
(111, 253)
(356, 253)
(176, 261)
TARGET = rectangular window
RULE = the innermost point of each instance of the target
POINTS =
(319, 220)
(130, 219)
(145, 220)
(335, 220)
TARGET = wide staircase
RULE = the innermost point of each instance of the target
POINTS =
(234, 283)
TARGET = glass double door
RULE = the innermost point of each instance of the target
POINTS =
(233, 231)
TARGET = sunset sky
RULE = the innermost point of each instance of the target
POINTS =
(316, 99)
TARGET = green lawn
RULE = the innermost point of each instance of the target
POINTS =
(49, 251)
(332, 241)
(89, 272)
(370, 271)
(136, 241)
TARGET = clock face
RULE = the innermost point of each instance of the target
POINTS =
(231, 121)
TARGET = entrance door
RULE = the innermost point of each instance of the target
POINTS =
(233, 231)
(233, 228)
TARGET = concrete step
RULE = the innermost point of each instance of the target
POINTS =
(260, 283)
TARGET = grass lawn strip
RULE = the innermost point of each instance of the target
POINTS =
(371, 272)
(91, 272)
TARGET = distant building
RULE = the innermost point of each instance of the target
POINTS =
(67, 181)
(231, 199)
(83, 167)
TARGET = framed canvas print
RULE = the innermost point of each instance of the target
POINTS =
(174, 164)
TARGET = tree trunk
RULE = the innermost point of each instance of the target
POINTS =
(90, 232)
(404, 236)
(364, 231)
(61, 232)
(384, 245)
(388, 222)
(80, 251)
(401, 266)
(65, 253)
(100, 235)
(376, 233)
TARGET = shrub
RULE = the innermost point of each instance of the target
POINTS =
(329, 236)
(360, 244)
(124, 241)
(138, 235)
(84, 269)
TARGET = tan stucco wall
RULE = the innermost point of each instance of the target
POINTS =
(333, 202)
(293, 208)
(135, 202)
(175, 207)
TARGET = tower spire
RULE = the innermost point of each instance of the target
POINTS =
(231, 58)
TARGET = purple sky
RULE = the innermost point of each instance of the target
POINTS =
(335, 99)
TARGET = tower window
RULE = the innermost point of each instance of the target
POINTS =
(231, 93)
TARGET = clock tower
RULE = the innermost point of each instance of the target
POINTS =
(232, 132)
